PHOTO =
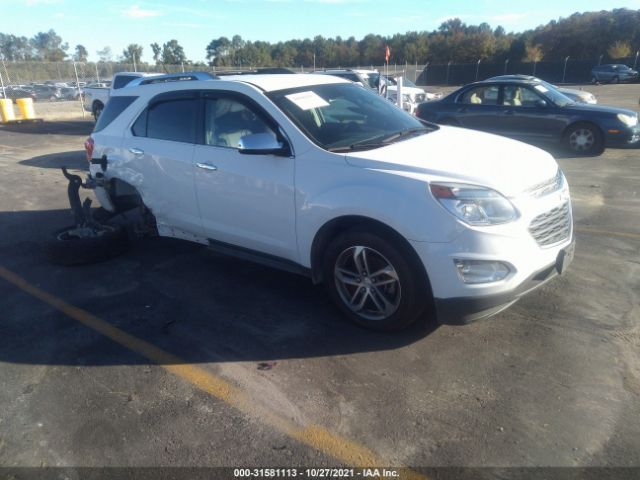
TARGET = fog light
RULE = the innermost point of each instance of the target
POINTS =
(481, 271)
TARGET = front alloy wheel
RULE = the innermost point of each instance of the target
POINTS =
(584, 140)
(375, 279)
(367, 283)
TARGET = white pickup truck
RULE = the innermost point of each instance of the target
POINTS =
(95, 97)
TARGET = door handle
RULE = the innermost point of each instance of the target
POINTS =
(207, 166)
(136, 151)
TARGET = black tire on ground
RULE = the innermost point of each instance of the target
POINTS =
(97, 110)
(594, 80)
(584, 132)
(615, 80)
(65, 249)
(410, 294)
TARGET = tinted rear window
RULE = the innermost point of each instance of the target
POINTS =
(173, 120)
(115, 106)
(122, 80)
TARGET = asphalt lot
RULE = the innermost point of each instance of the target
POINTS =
(173, 356)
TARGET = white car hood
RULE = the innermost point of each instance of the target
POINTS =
(466, 156)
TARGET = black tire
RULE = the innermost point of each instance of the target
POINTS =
(97, 110)
(594, 80)
(411, 294)
(53, 98)
(65, 249)
(615, 80)
(588, 130)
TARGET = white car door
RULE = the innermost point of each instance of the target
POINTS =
(160, 149)
(245, 200)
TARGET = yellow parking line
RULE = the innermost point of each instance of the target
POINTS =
(315, 436)
(607, 232)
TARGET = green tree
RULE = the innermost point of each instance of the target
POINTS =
(218, 51)
(81, 54)
(157, 51)
(49, 46)
(105, 54)
(132, 54)
(173, 53)
(15, 48)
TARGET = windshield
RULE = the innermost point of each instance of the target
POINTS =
(372, 79)
(553, 94)
(346, 117)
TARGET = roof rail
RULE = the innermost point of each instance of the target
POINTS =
(171, 77)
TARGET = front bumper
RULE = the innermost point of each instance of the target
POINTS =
(464, 310)
(623, 137)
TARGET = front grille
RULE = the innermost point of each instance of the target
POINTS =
(553, 226)
(420, 97)
(548, 186)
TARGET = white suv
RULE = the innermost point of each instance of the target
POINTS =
(316, 175)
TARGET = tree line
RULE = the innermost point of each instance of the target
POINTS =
(583, 36)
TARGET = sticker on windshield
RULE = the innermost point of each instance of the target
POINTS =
(541, 88)
(307, 100)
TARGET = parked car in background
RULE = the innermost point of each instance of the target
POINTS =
(71, 93)
(14, 93)
(46, 92)
(579, 96)
(613, 73)
(316, 175)
(96, 97)
(412, 95)
(366, 78)
(528, 110)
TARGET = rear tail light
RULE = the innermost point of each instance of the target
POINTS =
(88, 146)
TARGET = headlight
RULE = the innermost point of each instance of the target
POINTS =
(474, 205)
(628, 120)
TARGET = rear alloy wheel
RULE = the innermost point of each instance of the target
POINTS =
(584, 139)
(372, 282)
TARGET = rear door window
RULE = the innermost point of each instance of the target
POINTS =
(480, 96)
(115, 106)
(174, 120)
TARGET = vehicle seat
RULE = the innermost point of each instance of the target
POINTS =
(475, 98)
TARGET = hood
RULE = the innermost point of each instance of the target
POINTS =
(586, 107)
(461, 155)
(573, 91)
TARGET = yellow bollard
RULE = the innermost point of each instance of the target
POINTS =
(6, 110)
(26, 108)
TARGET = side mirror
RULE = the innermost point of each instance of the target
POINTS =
(262, 144)
(541, 103)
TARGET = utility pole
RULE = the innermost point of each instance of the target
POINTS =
(75, 69)
(564, 72)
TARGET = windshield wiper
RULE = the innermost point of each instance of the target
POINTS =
(404, 133)
(379, 141)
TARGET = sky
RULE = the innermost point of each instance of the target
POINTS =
(194, 23)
